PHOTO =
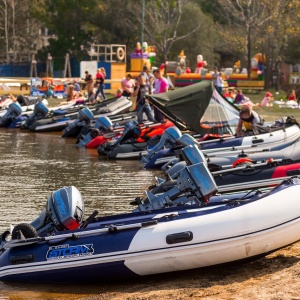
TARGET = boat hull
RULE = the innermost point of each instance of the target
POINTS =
(166, 240)
(273, 144)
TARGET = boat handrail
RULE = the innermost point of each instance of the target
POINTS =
(251, 185)
(74, 235)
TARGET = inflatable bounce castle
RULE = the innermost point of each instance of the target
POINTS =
(143, 55)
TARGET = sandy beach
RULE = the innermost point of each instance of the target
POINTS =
(275, 276)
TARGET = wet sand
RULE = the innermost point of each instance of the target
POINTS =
(275, 276)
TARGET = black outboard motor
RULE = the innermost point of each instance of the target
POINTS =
(13, 111)
(40, 112)
(85, 116)
(170, 135)
(64, 210)
(132, 130)
(194, 185)
(102, 126)
(130, 133)
(189, 155)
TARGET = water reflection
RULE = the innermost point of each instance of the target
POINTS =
(33, 165)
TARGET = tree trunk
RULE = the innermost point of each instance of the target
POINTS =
(249, 52)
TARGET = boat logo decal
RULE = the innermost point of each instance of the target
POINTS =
(201, 178)
(61, 204)
(66, 251)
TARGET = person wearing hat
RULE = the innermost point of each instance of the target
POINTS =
(267, 101)
(247, 119)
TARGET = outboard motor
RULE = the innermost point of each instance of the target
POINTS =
(13, 111)
(132, 129)
(189, 155)
(130, 133)
(195, 184)
(102, 125)
(64, 210)
(187, 139)
(170, 135)
(40, 112)
(85, 116)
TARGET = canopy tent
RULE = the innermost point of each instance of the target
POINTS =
(198, 107)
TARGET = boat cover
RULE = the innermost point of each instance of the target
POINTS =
(198, 107)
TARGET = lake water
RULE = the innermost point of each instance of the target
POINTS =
(35, 164)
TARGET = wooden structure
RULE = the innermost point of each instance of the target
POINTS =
(67, 69)
(108, 53)
(33, 69)
(113, 58)
(49, 68)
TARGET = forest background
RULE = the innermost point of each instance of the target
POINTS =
(223, 31)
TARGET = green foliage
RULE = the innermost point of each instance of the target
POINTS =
(223, 31)
(70, 22)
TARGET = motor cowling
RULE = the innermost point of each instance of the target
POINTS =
(191, 155)
(131, 130)
(40, 108)
(64, 211)
(186, 140)
(13, 111)
(40, 112)
(85, 115)
(104, 124)
(84, 119)
(195, 184)
(170, 135)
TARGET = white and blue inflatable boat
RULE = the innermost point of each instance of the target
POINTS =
(190, 226)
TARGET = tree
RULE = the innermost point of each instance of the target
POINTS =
(248, 15)
(159, 22)
(69, 21)
(19, 30)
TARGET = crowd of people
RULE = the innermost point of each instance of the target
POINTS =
(146, 83)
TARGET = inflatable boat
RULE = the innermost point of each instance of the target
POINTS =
(13, 112)
(276, 139)
(134, 140)
(242, 173)
(104, 129)
(82, 123)
(59, 122)
(185, 228)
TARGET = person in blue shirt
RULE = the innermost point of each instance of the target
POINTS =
(76, 85)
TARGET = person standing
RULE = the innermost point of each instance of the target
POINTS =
(148, 75)
(100, 77)
(214, 76)
(143, 106)
(89, 82)
(161, 86)
(219, 84)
